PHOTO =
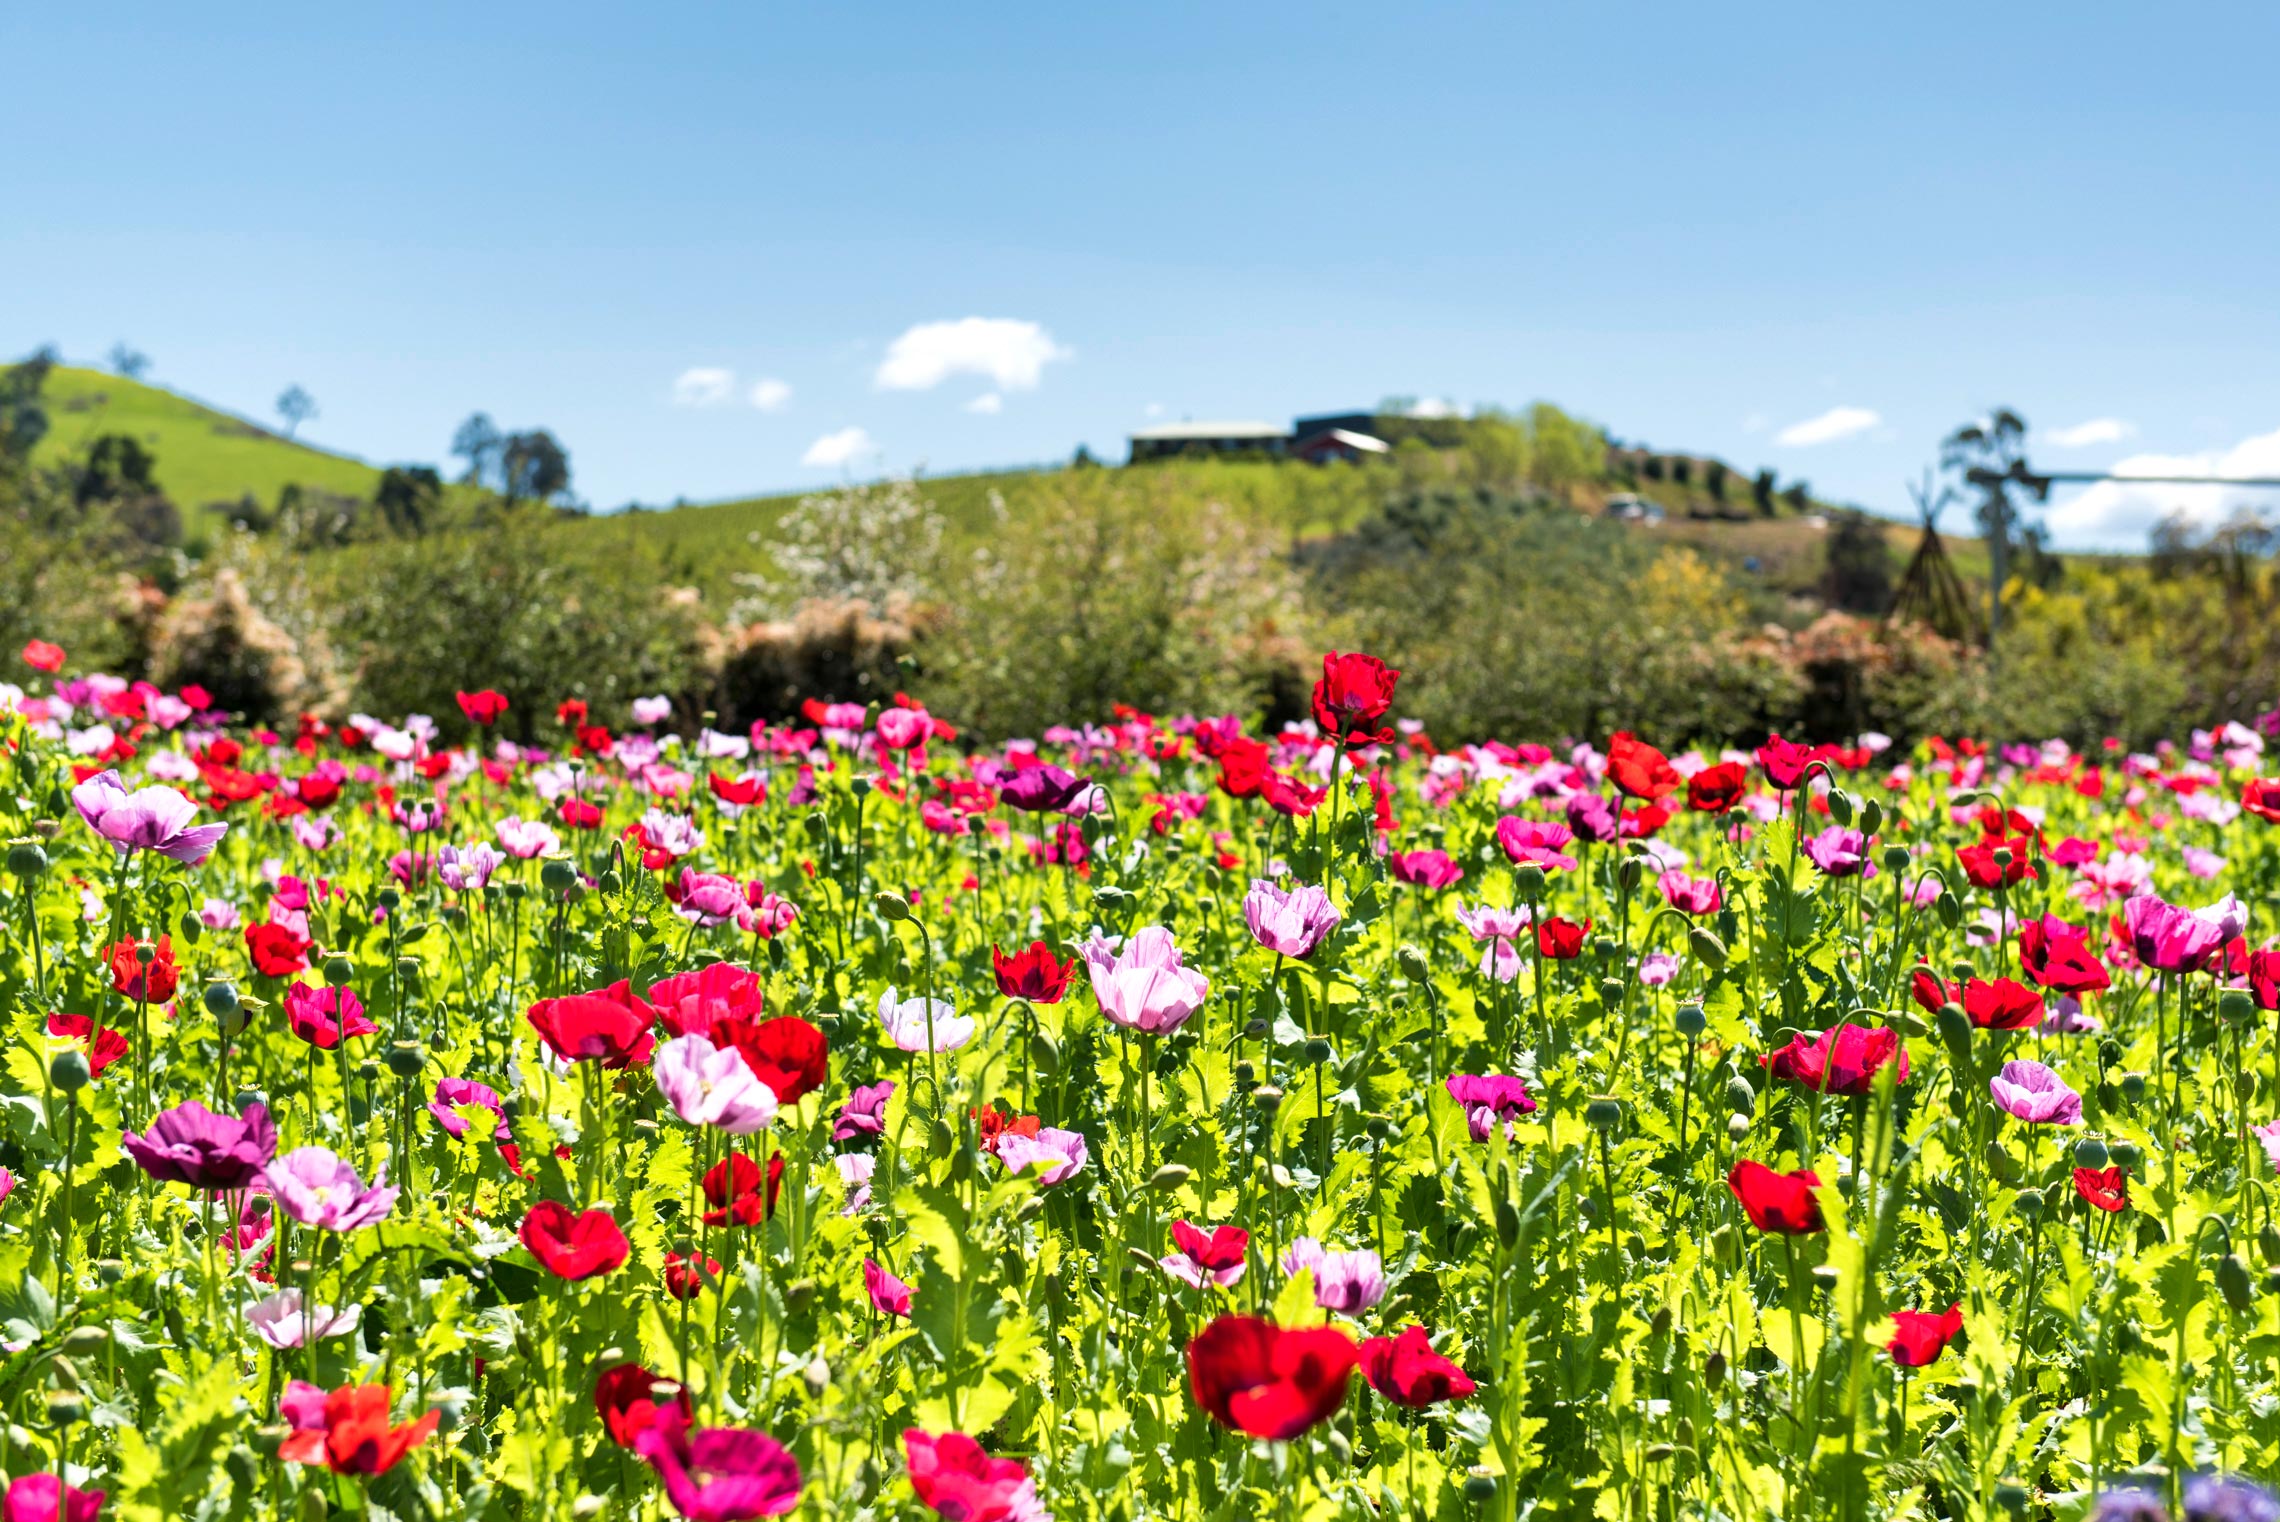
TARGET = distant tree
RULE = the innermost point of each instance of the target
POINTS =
(1798, 495)
(296, 407)
(1990, 457)
(1682, 470)
(1499, 448)
(1567, 451)
(1761, 493)
(1655, 468)
(1083, 459)
(118, 467)
(1859, 578)
(23, 416)
(1714, 474)
(408, 496)
(478, 442)
(533, 467)
(129, 362)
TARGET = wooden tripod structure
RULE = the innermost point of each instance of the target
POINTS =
(1930, 592)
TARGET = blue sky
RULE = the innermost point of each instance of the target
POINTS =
(1809, 237)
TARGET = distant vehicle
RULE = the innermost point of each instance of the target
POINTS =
(1629, 507)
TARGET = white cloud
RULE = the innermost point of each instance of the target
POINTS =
(1435, 406)
(989, 404)
(1012, 353)
(839, 448)
(1832, 425)
(769, 394)
(2118, 514)
(2099, 430)
(703, 386)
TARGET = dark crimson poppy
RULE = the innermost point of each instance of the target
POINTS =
(732, 1188)
(1406, 1370)
(2106, 1188)
(1918, 1337)
(103, 1045)
(1042, 789)
(1034, 974)
(2057, 956)
(276, 951)
(2003, 1005)
(741, 793)
(347, 1430)
(2262, 969)
(610, 1026)
(1715, 789)
(1271, 1382)
(317, 790)
(1779, 1202)
(1561, 940)
(1243, 767)
(2261, 797)
(1223, 1249)
(685, 1278)
(1840, 1061)
(154, 984)
(787, 1054)
(1979, 861)
(625, 1397)
(1638, 768)
(1785, 761)
(1928, 989)
(482, 707)
(576, 1245)
(1354, 693)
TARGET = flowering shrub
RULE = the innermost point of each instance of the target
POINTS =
(1155, 1120)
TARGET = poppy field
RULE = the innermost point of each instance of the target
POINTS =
(1154, 1119)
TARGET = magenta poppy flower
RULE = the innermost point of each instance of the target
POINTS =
(455, 1094)
(865, 1112)
(1838, 851)
(706, 899)
(1594, 819)
(1432, 870)
(1488, 1098)
(190, 1144)
(1535, 843)
(889, 1296)
(1689, 895)
(2030, 1092)
(719, 1474)
(2170, 938)
(147, 819)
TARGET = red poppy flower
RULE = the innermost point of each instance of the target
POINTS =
(954, 1478)
(2261, 797)
(2003, 1005)
(689, 1002)
(1715, 789)
(570, 712)
(2262, 970)
(1979, 861)
(1268, 1381)
(1638, 768)
(276, 951)
(1918, 1337)
(130, 979)
(1354, 693)
(317, 790)
(578, 814)
(626, 1399)
(993, 1120)
(684, 1279)
(610, 1027)
(732, 1188)
(574, 1245)
(42, 656)
(1840, 1061)
(1781, 1202)
(1243, 767)
(787, 1054)
(741, 794)
(482, 707)
(104, 1046)
(1785, 761)
(1223, 1249)
(350, 1435)
(1034, 974)
(1928, 989)
(2057, 956)
(2107, 1188)
(1560, 939)
(1406, 1370)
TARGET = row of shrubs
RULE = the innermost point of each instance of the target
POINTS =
(1510, 617)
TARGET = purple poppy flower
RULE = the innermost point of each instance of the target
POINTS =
(1290, 921)
(1838, 851)
(455, 1094)
(318, 1188)
(1351, 1282)
(2221, 1498)
(865, 1112)
(147, 819)
(190, 1144)
(2030, 1092)
(1594, 819)
(1041, 789)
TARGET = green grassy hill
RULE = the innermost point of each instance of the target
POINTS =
(205, 455)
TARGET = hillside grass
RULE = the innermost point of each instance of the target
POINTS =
(205, 456)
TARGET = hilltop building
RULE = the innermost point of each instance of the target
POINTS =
(1318, 439)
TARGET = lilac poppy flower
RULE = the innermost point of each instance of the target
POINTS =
(190, 1144)
(1290, 921)
(917, 1025)
(865, 1112)
(1350, 1282)
(711, 1086)
(147, 819)
(318, 1188)
(279, 1321)
(2030, 1092)
(1838, 851)
(1146, 988)
(1059, 1155)
(468, 870)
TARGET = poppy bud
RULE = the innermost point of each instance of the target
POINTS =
(2109, 1053)
(1689, 1020)
(939, 1138)
(1660, 1325)
(2235, 1007)
(48, 829)
(613, 883)
(1046, 1053)
(1686, 1432)
(190, 927)
(2244, 1087)
(2128, 1154)
(1949, 908)
(2133, 1087)
(1740, 1097)
(1707, 948)
(1726, 1247)
(1602, 1114)
(2233, 1282)
(1413, 965)
(1714, 1369)
(1840, 806)
(69, 1071)
(1253, 1029)
(2090, 1152)
(1737, 1126)
(2012, 1497)
(84, 1340)
(890, 906)
(2268, 1243)
(111, 1270)
(1169, 1177)
(26, 859)
(1955, 1028)
(1245, 1073)
(1871, 817)
(1629, 874)
(2000, 1162)
(65, 1407)
(817, 1375)
(1507, 1223)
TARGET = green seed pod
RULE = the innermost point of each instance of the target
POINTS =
(1267, 1097)
(1245, 1073)
(1317, 1051)
(65, 1407)
(1379, 1128)
(2133, 1087)
(557, 876)
(2129, 1154)
(2090, 1152)
(2233, 1282)
(391, 900)
(27, 860)
(1707, 948)
(1530, 879)
(339, 971)
(406, 1059)
(110, 1270)
(2012, 1497)
(1895, 859)
(1480, 1487)
(220, 998)
(1689, 1020)
(1611, 992)
(1737, 1127)
(267, 1440)
(68, 1071)
(2235, 1007)
(2029, 1203)
(1602, 1114)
